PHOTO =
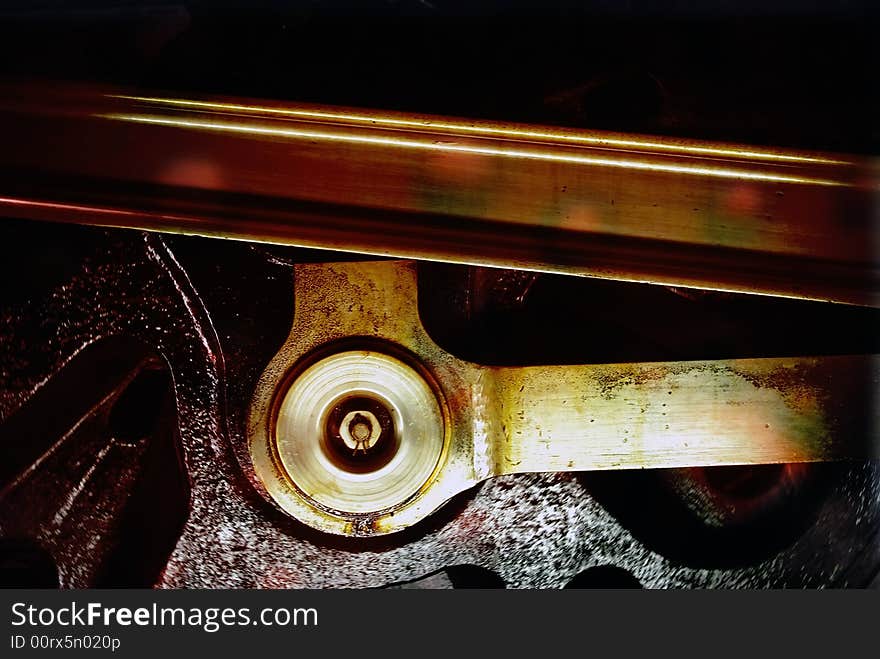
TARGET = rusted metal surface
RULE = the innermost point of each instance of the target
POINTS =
(538, 419)
(637, 208)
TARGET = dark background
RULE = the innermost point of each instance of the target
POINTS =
(788, 73)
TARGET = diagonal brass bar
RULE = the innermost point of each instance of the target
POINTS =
(562, 418)
(628, 207)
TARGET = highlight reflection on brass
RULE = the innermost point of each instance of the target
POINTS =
(623, 163)
(495, 421)
(484, 129)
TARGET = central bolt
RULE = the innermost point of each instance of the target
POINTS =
(360, 434)
(360, 430)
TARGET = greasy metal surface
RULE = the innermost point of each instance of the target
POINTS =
(607, 205)
(550, 419)
(86, 477)
(538, 530)
(73, 500)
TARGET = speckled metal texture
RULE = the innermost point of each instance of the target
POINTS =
(216, 312)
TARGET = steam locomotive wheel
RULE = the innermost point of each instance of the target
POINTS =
(144, 382)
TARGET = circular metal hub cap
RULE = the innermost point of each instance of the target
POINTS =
(358, 432)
